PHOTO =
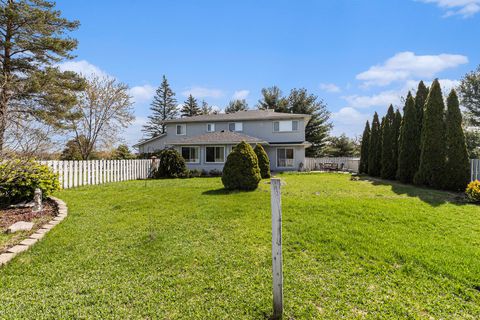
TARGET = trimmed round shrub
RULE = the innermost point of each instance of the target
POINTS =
(241, 171)
(473, 191)
(19, 178)
(263, 161)
(171, 165)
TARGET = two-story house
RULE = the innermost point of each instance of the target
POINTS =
(205, 141)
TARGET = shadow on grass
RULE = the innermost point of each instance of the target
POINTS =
(431, 196)
(223, 191)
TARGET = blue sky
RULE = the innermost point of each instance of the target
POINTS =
(358, 56)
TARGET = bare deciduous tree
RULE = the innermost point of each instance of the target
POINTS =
(104, 108)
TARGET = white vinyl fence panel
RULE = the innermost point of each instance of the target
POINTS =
(474, 169)
(90, 172)
(344, 163)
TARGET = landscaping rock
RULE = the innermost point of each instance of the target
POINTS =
(20, 226)
(6, 257)
(17, 249)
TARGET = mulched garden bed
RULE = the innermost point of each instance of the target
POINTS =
(9, 216)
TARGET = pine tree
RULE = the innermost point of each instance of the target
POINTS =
(206, 109)
(457, 170)
(388, 146)
(236, 105)
(432, 156)
(190, 107)
(374, 148)
(363, 167)
(163, 107)
(409, 147)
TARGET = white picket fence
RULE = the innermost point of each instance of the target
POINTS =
(91, 172)
(344, 163)
(475, 169)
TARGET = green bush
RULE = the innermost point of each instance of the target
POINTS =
(263, 161)
(19, 179)
(195, 173)
(241, 171)
(171, 165)
(473, 191)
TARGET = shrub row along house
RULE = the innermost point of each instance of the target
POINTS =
(205, 141)
(425, 147)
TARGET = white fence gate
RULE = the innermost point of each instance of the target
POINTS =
(91, 172)
(474, 169)
(344, 163)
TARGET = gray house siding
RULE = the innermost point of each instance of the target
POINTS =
(262, 129)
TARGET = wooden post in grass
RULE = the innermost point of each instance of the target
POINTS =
(277, 267)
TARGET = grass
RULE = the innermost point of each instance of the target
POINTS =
(185, 249)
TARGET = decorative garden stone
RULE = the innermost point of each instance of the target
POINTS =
(37, 200)
(20, 226)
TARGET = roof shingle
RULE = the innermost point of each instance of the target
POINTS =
(241, 115)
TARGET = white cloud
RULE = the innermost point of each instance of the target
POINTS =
(240, 94)
(382, 99)
(202, 92)
(407, 65)
(349, 121)
(82, 67)
(142, 93)
(445, 84)
(330, 87)
(465, 8)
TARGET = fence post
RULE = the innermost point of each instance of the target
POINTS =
(277, 267)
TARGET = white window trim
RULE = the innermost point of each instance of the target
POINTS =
(215, 146)
(278, 121)
(212, 125)
(198, 152)
(241, 123)
(184, 125)
(276, 157)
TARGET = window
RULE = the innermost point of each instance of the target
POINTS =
(181, 129)
(191, 154)
(235, 126)
(285, 126)
(284, 157)
(210, 127)
(214, 154)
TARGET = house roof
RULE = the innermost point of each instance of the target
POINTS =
(223, 137)
(142, 142)
(241, 115)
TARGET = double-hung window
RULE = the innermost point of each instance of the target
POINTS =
(285, 157)
(181, 129)
(215, 154)
(285, 126)
(191, 154)
(210, 127)
(235, 126)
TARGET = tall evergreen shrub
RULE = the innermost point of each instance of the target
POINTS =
(263, 161)
(363, 167)
(388, 146)
(457, 170)
(432, 156)
(409, 151)
(241, 171)
(374, 148)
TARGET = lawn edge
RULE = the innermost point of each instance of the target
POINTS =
(24, 245)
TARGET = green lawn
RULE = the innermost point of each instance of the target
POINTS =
(174, 249)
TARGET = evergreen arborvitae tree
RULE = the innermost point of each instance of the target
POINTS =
(457, 170)
(241, 171)
(374, 148)
(363, 167)
(409, 143)
(388, 146)
(190, 107)
(163, 107)
(263, 161)
(420, 99)
(432, 156)
(397, 123)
